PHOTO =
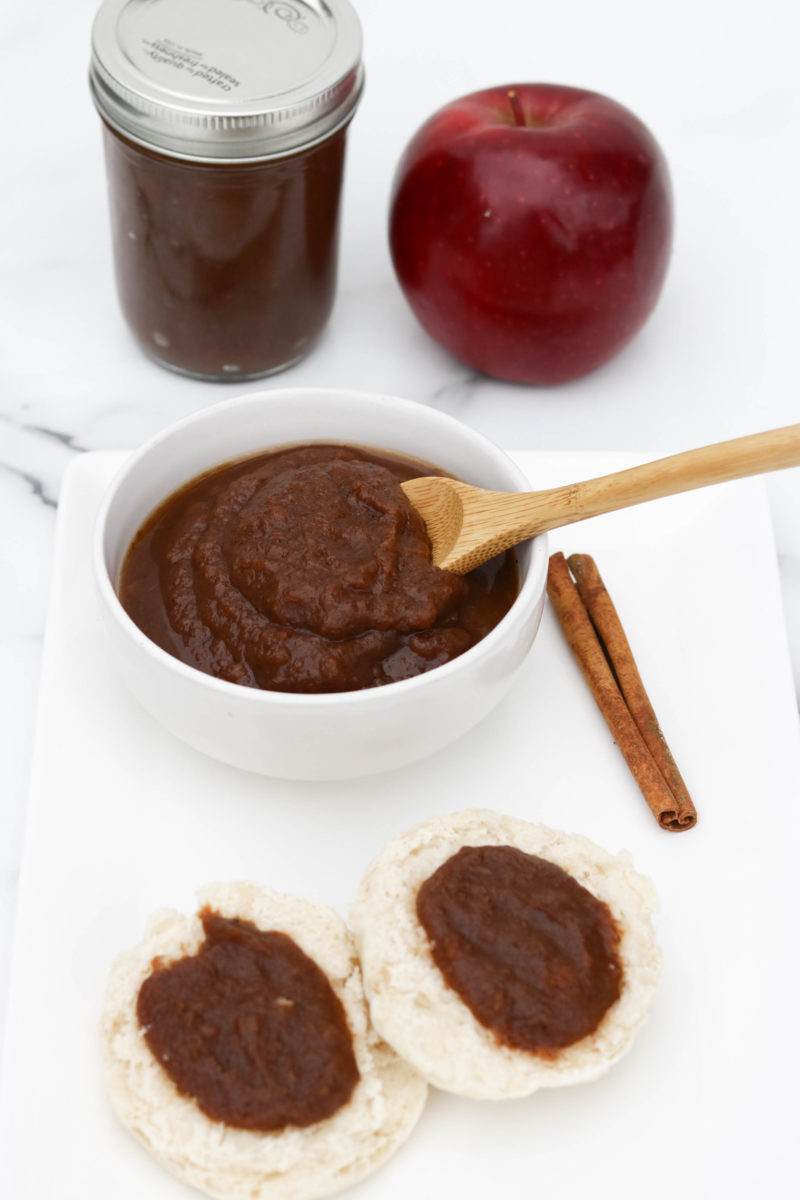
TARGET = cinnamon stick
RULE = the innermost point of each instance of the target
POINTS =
(605, 619)
(594, 632)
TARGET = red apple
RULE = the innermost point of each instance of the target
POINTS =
(530, 229)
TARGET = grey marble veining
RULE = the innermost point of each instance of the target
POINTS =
(716, 360)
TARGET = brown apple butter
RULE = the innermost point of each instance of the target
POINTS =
(224, 136)
(225, 272)
(250, 1028)
(306, 570)
(531, 952)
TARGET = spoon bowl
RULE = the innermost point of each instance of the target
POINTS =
(469, 525)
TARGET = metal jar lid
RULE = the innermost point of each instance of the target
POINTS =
(226, 79)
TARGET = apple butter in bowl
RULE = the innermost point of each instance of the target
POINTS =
(306, 570)
(268, 595)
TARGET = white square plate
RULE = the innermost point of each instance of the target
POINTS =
(124, 820)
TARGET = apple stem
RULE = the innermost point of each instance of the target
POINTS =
(516, 108)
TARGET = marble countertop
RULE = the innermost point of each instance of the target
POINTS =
(716, 82)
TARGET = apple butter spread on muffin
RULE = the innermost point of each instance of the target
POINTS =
(530, 951)
(238, 1049)
(306, 570)
(250, 1028)
(500, 956)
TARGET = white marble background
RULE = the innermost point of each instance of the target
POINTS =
(717, 82)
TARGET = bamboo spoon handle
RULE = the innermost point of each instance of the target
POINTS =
(494, 521)
(735, 459)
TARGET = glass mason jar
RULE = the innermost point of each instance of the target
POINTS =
(224, 132)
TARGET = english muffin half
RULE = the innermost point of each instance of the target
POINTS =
(500, 956)
(238, 1049)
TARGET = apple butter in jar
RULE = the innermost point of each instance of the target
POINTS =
(224, 125)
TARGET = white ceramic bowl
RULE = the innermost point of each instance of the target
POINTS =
(333, 736)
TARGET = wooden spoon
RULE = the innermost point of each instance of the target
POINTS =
(468, 525)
